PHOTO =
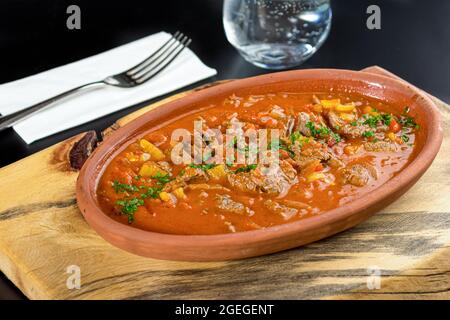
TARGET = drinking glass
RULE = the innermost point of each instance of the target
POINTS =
(277, 34)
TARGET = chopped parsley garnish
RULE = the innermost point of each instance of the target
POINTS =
(373, 120)
(319, 131)
(322, 131)
(405, 138)
(408, 121)
(297, 136)
(287, 149)
(387, 118)
(281, 145)
(203, 167)
(368, 134)
(162, 178)
(123, 187)
(129, 207)
(247, 168)
(354, 123)
(336, 137)
(152, 192)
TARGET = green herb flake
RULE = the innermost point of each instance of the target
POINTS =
(298, 137)
(386, 118)
(319, 131)
(162, 178)
(373, 120)
(368, 134)
(409, 122)
(281, 145)
(123, 187)
(203, 167)
(152, 192)
(336, 137)
(129, 207)
(246, 168)
(322, 131)
(405, 138)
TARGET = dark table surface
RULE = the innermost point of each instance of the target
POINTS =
(414, 43)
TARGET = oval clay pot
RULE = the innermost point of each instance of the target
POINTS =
(281, 237)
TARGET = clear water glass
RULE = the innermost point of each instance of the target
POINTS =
(277, 34)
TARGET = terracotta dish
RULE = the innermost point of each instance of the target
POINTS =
(158, 238)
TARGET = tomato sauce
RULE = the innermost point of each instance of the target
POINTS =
(332, 148)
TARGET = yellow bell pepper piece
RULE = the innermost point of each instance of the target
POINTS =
(317, 108)
(315, 176)
(165, 196)
(330, 104)
(179, 193)
(155, 153)
(344, 108)
(150, 170)
(394, 138)
(218, 172)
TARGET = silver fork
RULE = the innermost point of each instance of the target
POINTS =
(137, 75)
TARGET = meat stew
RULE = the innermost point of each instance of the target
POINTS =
(332, 149)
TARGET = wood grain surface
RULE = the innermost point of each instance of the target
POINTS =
(42, 233)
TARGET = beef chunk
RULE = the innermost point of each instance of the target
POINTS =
(285, 211)
(225, 203)
(288, 127)
(335, 162)
(380, 146)
(276, 179)
(311, 152)
(353, 131)
(344, 128)
(192, 175)
(304, 118)
(359, 174)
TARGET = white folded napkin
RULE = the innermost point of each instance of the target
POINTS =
(94, 103)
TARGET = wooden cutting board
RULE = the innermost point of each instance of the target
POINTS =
(42, 233)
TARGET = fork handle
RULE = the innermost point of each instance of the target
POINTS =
(14, 118)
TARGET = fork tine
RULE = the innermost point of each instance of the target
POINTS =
(168, 44)
(164, 63)
(163, 56)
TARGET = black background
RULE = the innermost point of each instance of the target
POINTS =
(414, 43)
